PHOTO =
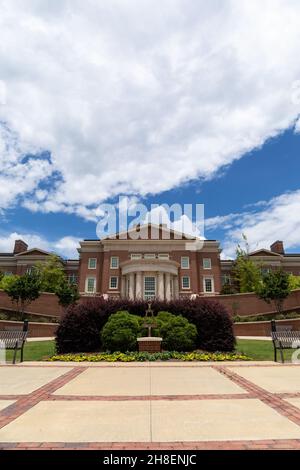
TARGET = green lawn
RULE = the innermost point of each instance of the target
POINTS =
(260, 350)
(256, 349)
(34, 351)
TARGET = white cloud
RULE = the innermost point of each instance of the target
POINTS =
(134, 99)
(66, 246)
(279, 219)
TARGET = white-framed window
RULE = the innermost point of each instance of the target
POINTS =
(208, 285)
(185, 262)
(90, 285)
(226, 279)
(113, 282)
(8, 273)
(163, 256)
(206, 263)
(92, 263)
(185, 282)
(149, 256)
(149, 287)
(136, 256)
(114, 262)
(72, 278)
(30, 270)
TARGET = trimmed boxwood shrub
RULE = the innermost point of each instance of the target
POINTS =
(121, 331)
(177, 333)
(79, 329)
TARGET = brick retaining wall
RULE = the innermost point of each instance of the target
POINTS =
(237, 304)
(36, 330)
(262, 328)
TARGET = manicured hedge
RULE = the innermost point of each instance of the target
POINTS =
(79, 330)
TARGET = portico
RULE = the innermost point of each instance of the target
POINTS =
(150, 279)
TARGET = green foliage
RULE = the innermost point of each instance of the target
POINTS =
(177, 333)
(67, 294)
(51, 274)
(121, 331)
(6, 280)
(23, 290)
(144, 356)
(294, 282)
(266, 317)
(275, 287)
(227, 289)
(247, 274)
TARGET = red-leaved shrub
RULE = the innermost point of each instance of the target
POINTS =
(79, 330)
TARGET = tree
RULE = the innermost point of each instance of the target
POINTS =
(67, 294)
(294, 282)
(23, 290)
(275, 287)
(246, 273)
(51, 273)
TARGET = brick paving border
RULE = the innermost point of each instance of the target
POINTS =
(276, 401)
(26, 402)
(268, 444)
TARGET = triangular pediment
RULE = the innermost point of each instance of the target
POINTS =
(264, 252)
(151, 232)
(33, 252)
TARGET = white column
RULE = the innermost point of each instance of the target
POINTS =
(138, 286)
(160, 286)
(168, 286)
(176, 287)
(123, 286)
(131, 286)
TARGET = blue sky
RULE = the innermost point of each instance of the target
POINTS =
(188, 103)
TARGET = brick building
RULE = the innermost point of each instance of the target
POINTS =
(148, 262)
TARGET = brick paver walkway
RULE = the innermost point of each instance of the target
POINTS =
(150, 406)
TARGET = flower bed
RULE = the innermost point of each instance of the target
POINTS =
(143, 356)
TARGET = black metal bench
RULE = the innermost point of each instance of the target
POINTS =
(284, 337)
(14, 339)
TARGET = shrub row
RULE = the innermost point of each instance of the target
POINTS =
(79, 330)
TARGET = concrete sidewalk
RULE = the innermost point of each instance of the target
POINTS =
(150, 405)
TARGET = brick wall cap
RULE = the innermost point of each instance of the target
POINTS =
(149, 339)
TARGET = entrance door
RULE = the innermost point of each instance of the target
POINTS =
(149, 287)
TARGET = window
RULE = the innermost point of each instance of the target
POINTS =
(185, 262)
(206, 263)
(114, 262)
(113, 282)
(30, 270)
(92, 263)
(163, 256)
(265, 271)
(8, 273)
(185, 282)
(72, 278)
(150, 256)
(90, 285)
(226, 280)
(149, 287)
(208, 284)
(136, 256)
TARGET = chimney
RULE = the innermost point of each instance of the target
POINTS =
(20, 246)
(277, 247)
